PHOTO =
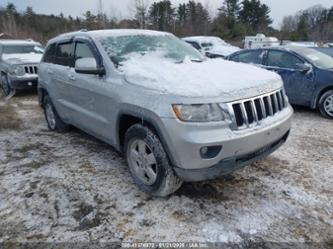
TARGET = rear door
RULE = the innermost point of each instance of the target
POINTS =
(299, 85)
(58, 71)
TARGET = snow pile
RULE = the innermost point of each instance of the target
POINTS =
(209, 78)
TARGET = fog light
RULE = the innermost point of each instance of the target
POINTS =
(210, 152)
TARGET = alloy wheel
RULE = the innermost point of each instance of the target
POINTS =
(142, 161)
(328, 105)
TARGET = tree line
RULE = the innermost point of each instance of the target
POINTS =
(234, 20)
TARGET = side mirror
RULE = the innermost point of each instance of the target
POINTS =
(88, 66)
(304, 67)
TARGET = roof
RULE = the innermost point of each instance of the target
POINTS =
(111, 32)
(18, 42)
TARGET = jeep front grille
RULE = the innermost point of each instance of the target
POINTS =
(31, 69)
(251, 112)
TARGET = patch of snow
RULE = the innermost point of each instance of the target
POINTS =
(210, 78)
(125, 32)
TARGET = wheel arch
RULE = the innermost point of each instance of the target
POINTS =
(134, 116)
(320, 94)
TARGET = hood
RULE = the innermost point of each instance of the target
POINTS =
(22, 58)
(223, 50)
(210, 78)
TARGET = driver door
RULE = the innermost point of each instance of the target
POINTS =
(299, 84)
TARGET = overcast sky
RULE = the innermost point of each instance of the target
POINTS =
(121, 8)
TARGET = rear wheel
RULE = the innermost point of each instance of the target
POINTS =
(53, 120)
(326, 104)
(149, 163)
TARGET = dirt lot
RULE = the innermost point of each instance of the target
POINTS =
(71, 187)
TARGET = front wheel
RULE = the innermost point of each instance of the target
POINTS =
(326, 104)
(149, 163)
(5, 85)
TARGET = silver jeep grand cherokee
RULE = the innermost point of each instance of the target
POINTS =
(19, 60)
(175, 115)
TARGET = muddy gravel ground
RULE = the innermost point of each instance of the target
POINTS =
(72, 187)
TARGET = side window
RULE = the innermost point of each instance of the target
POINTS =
(64, 54)
(194, 44)
(254, 57)
(49, 55)
(282, 59)
(82, 50)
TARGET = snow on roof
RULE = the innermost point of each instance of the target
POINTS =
(126, 32)
(112, 32)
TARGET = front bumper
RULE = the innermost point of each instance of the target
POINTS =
(185, 141)
(24, 82)
(229, 165)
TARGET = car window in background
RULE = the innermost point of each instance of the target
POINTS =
(22, 49)
(194, 44)
(254, 57)
(82, 50)
(319, 59)
(64, 54)
(50, 52)
(282, 59)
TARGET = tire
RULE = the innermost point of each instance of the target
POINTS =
(5, 85)
(52, 118)
(326, 104)
(143, 163)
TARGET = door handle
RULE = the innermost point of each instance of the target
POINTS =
(71, 77)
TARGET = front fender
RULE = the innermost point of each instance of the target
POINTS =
(148, 117)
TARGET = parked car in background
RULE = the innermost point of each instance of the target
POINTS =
(260, 41)
(328, 51)
(175, 115)
(19, 60)
(306, 72)
(211, 46)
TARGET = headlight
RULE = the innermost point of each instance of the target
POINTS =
(199, 113)
(19, 70)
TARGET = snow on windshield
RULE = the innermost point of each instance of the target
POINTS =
(122, 48)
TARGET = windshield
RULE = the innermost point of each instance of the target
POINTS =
(317, 58)
(121, 48)
(22, 49)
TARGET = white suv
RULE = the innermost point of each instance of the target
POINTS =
(176, 116)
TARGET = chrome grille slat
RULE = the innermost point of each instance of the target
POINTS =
(254, 111)
(244, 114)
(263, 108)
(250, 112)
(270, 106)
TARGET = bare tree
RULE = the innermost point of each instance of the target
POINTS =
(141, 8)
